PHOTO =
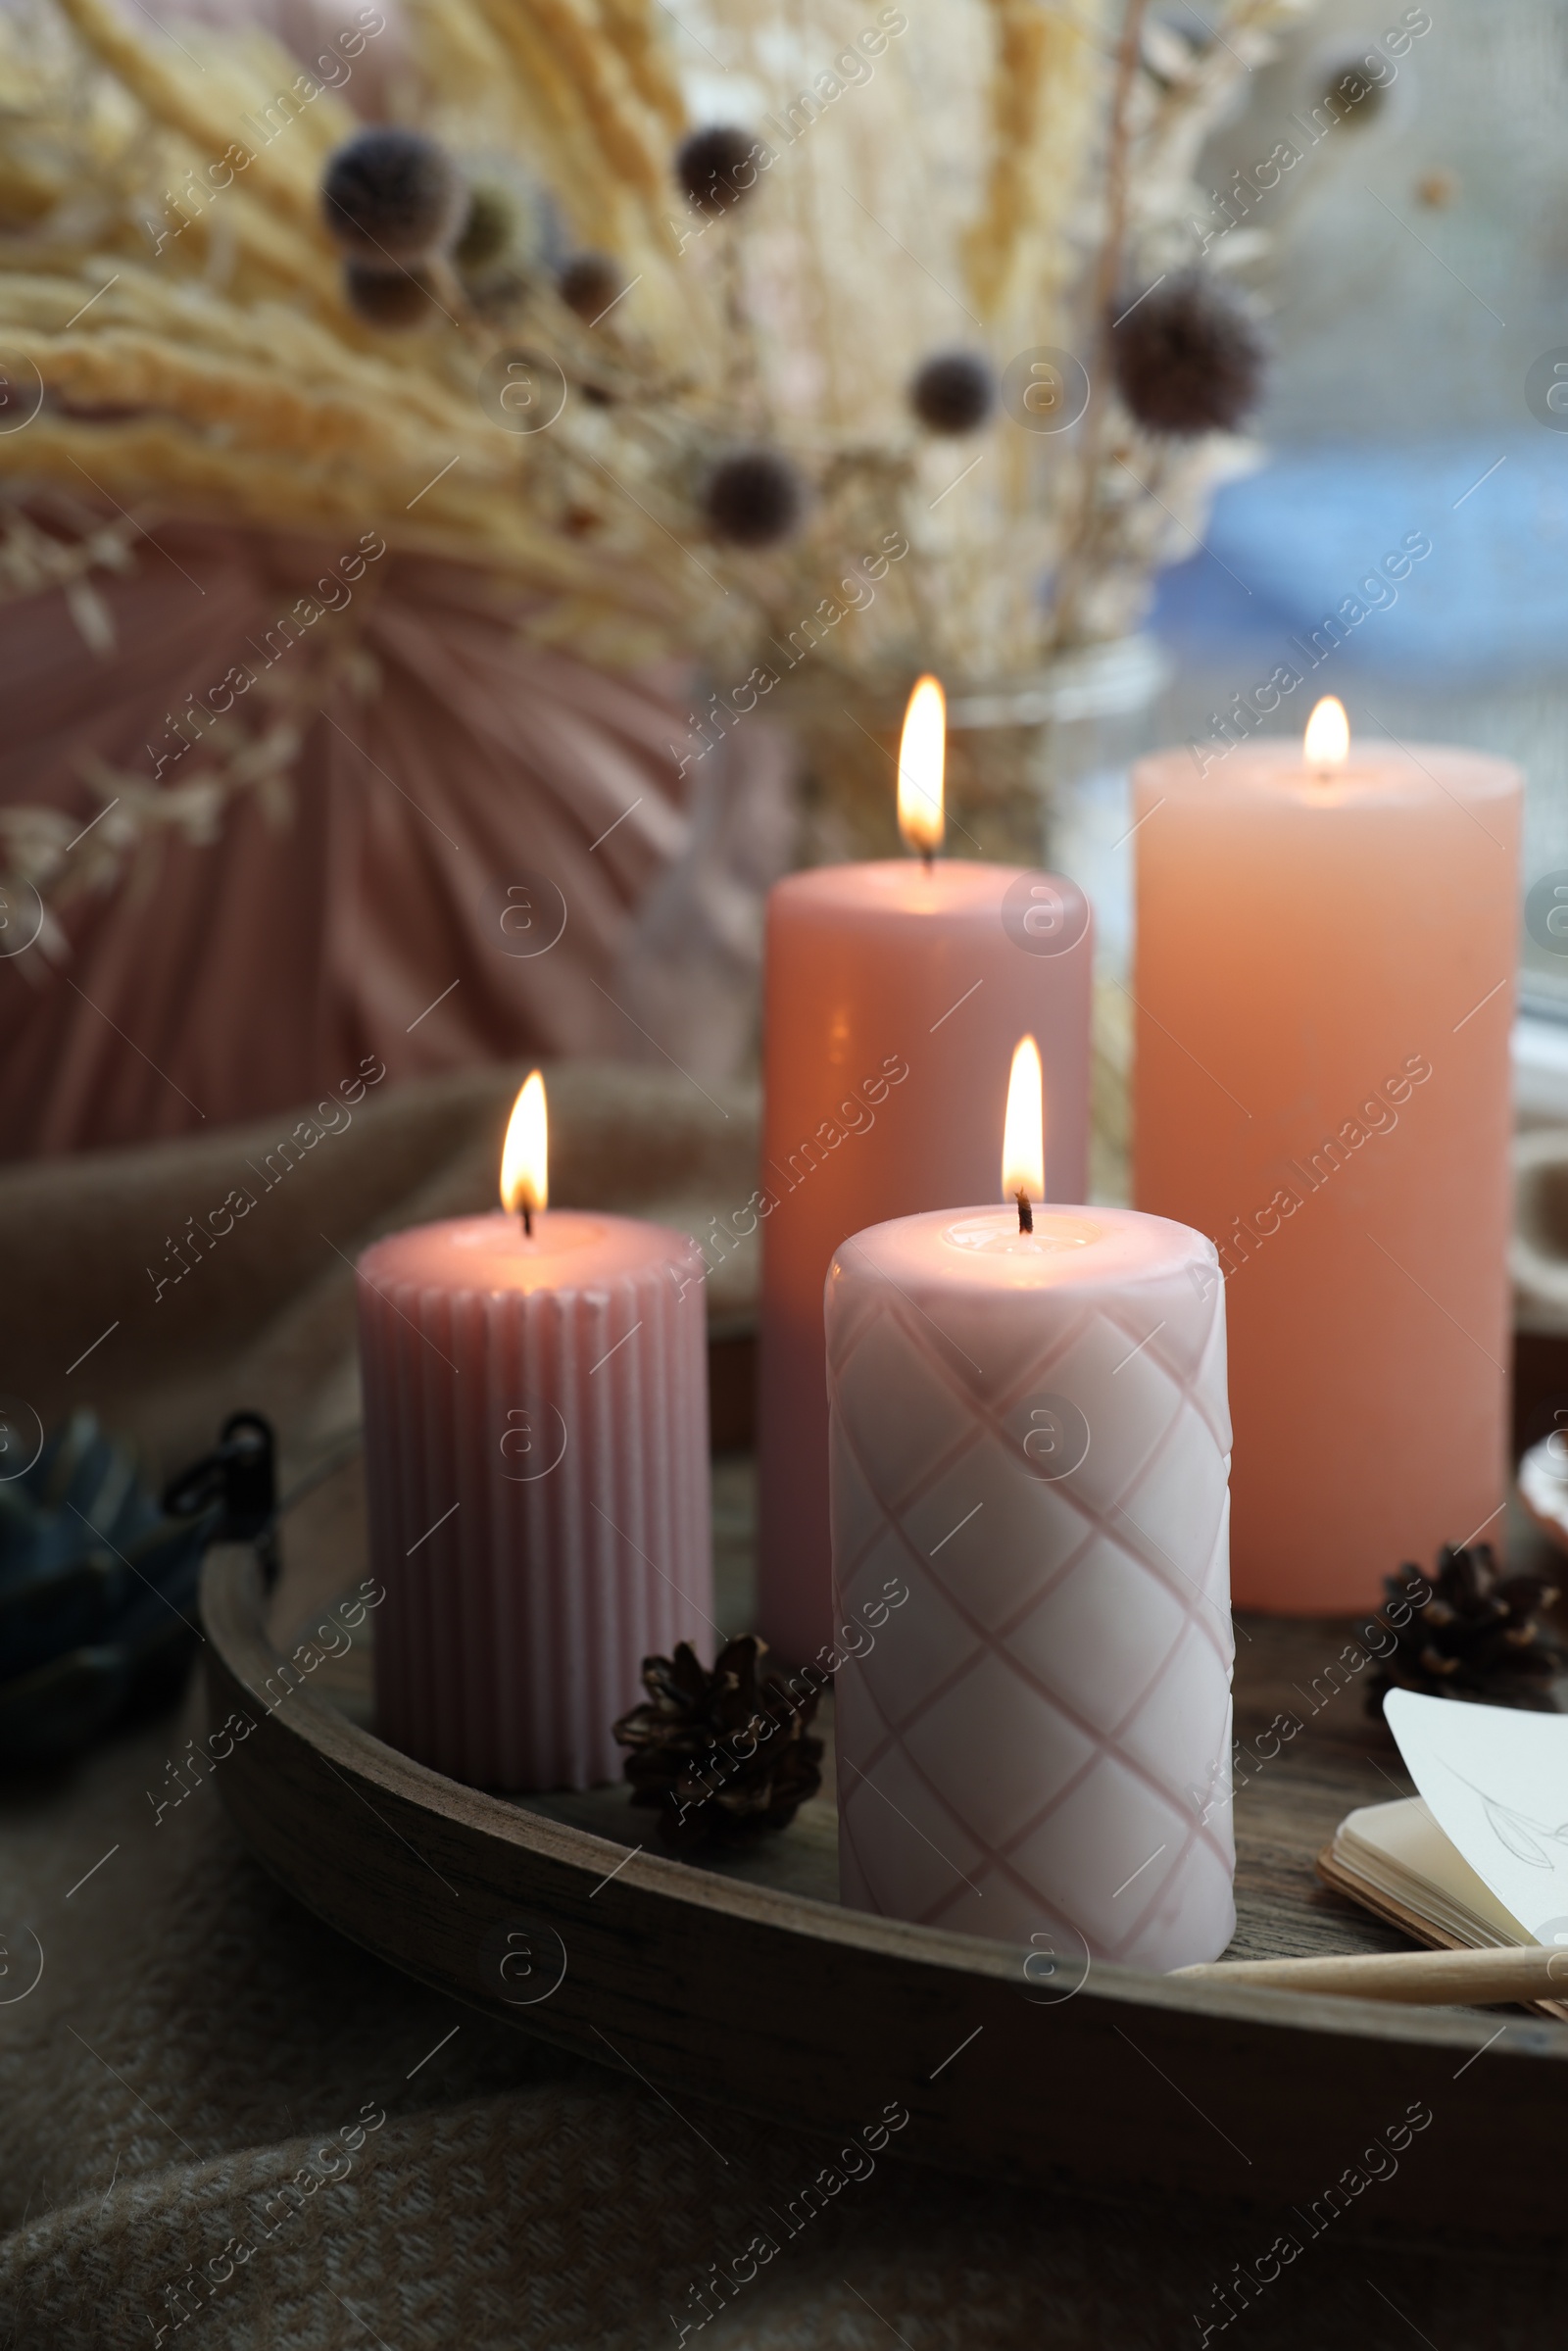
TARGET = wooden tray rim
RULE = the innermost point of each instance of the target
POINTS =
(234, 1618)
(650, 1890)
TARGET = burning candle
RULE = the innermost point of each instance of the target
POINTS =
(1030, 1433)
(922, 770)
(536, 1455)
(1324, 988)
(894, 992)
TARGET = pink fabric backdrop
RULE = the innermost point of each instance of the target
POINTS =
(214, 983)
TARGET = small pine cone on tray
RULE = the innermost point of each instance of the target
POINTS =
(724, 1756)
(1470, 1632)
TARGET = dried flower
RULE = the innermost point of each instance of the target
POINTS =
(589, 283)
(489, 230)
(392, 195)
(395, 300)
(715, 167)
(245, 394)
(1188, 358)
(953, 392)
(753, 499)
(1350, 94)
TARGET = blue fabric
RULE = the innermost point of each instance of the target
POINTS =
(1303, 534)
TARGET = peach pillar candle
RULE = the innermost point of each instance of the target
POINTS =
(894, 995)
(1030, 1430)
(536, 1457)
(1324, 980)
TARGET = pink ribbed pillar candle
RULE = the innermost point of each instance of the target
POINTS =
(1030, 1433)
(536, 1451)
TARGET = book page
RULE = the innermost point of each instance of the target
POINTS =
(1400, 1849)
(1496, 1781)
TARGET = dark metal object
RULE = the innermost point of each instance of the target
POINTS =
(98, 1578)
(240, 1476)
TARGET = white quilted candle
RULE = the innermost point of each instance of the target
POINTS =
(1030, 1430)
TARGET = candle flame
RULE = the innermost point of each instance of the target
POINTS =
(921, 752)
(1023, 1136)
(526, 1153)
(1326, 744)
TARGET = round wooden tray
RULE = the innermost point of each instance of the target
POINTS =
(750, 1984)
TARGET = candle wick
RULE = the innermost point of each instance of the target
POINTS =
(1027, 1214)
(527, 1220)
(926, 855)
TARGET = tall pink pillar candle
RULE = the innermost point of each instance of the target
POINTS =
(536, 1451)
(895, 993)
(1030, 1436)
(1324, 987)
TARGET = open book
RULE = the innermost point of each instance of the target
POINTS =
(1488, 1830)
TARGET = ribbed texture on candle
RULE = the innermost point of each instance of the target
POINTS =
(1034, 1745)
(516, 1622)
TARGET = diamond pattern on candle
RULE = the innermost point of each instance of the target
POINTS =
(1141, 1840)
(1081, 1624)
(991, 1713)
(1172, 1732)
(1105, 1628)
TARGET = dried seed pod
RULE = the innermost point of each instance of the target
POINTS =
(1352, 95)
(489, 229)
(394, 299)
(589, 283)
(953, 392)
(754, 498)
(716, 167)
(1188, 357)
(392, 195)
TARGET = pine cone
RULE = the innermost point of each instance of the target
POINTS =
(1470, 1634)
(724, 1756)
